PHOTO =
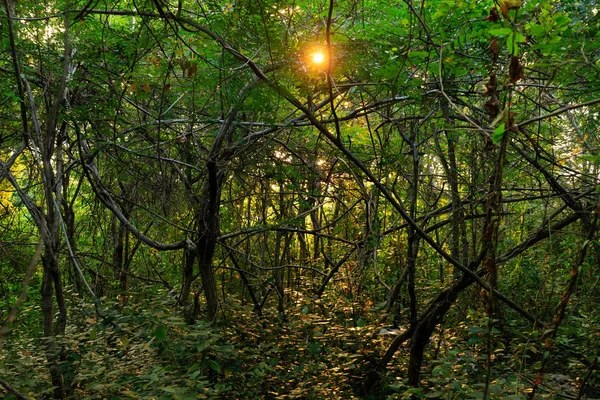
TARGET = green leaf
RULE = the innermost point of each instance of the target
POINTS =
(304, 310)
(562, 19)
(160, 333)
(418, 54)
(535, 29)
(498, 133)
(396, 387)
(476, 329)
(589, 157)
(415, 391)
(314, 347)
(519, 38)
(500, 31)
(511, 44)
(360, 323)
(474, 340)
(201, 345)
(434, 395)
(212, 364)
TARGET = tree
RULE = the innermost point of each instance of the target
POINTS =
(416, 156)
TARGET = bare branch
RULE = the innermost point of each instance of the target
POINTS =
(558, 112)
(12, 390)
(104, 196)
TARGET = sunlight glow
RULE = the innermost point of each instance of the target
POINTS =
(318, 57)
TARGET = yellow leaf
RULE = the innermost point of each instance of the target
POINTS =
(513, 4)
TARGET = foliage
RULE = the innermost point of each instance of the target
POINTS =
(223, 218)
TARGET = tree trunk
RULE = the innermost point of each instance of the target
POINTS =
(189, 258)
(278, 273)
(209, 283)
(426, 325)
(51, 280)
(117, 258)
(208, 232)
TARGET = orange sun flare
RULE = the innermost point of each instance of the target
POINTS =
(318, 57)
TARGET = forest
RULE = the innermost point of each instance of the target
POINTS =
(299, 199)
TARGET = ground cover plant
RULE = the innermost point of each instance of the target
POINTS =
(299, 199)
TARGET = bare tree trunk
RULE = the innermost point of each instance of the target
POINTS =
(118, 252)
(207, 222)
(68, 210)
(278, 273)
(51, 280)
(426, 325)
(457, 229)
(187, 275)
(46, 139)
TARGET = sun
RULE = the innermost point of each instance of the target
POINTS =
(318, 57)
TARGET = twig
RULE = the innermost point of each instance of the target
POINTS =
(12, 390)
(558, 112)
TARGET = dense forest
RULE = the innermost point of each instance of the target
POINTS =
(329, 199)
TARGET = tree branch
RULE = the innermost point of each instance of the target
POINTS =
(12, 390)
